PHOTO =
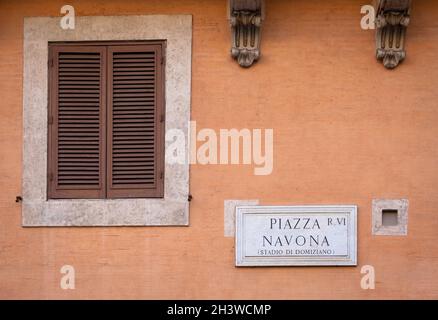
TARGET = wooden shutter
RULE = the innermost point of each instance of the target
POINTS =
(76, 164)
(135, 131)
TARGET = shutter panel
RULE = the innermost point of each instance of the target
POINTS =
(77, 122)
(135, 132)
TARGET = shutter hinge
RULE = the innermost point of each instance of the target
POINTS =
(51, 176)
(51, 63)
(50, 120)
(162, 59)
(163, 117)
(161, 174)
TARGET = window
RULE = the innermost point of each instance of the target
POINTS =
(390, 217)
(47, 204)
(106, 120)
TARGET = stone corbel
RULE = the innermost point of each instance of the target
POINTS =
(245, 18)
(392, 19)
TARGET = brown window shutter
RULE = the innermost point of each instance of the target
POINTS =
(135, 131)
(77, 114)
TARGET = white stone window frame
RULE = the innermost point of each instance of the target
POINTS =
(378, 206)
(37, 210)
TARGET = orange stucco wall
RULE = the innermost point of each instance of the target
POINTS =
(345, 131)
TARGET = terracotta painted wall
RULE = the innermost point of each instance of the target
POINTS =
(346, 131)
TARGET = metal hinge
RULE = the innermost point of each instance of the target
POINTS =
(51, 176)
(50, 119)
(51, 63)
(161, 174)
(163, 58)
(163, 117)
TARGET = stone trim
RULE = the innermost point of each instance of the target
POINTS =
(173, 209)
(230, 214)
(401, 205)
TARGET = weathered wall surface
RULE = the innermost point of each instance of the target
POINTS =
(345, 129)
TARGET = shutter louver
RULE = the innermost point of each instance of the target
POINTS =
(77, 115)
(106, 120)
(135, 128)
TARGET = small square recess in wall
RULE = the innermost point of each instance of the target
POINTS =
(390, 217)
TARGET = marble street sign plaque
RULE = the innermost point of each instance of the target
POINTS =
(296, 236)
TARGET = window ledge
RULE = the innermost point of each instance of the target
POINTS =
(115, 212)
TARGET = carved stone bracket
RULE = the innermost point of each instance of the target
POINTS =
(245, 18)
(392, 19)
